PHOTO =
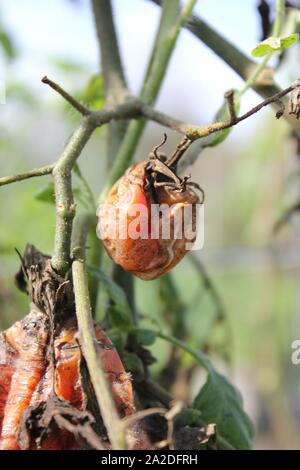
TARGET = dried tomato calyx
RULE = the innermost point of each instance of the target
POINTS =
(161, 172)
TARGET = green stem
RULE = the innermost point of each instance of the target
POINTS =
(115, 88)
(69, 98)
(164, 44)
(132, 109)
(231, 55)
(85, 226)
(85, 187)
(94, 245)
(223, 48)
(223, 444)
(200, 358)
(170, 24)
(94, 259)
(65, 205)
(80, 230)
(280, 5)
(279, 14)
(126, 281)
(124, 155)
(112, 69)
(253, 77)
(155, 390)
(115, 429)
(44, 170)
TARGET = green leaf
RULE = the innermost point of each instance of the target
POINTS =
(289, 40)
(46, 194)
(85, 195)
(145, 336)
(7, 45)
(132, 363)
(118, 338)
(274, 44)
(17, 90)
(169, 295)
(219, 402)
(120, 312)
(93, 94)
(67, 65)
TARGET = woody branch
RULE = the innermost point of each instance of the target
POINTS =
(129, 108)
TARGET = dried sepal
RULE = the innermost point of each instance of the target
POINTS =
(294, 102)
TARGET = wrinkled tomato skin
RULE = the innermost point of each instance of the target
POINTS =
(67, 368)
(146, 258)
(7, 359)
(26, 378)
(28, 339)
(120, 381)
(132, 254)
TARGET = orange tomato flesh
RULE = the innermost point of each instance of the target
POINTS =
(26, 378)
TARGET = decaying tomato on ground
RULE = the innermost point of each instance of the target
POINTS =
(22, 365)
(142, 239)
(43, 393)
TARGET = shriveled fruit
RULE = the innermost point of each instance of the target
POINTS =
(22, 365)
(29, 377)
(148, 221)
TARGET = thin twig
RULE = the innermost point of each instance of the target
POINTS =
(163, 46)
(132, 419)
(133, 108)
(197, 132)
(170, 416)
(162, 395)
(115, 91)
(113, 424)
(85, 431)
(286, 216)
(220, 309)
(44, 170)
(229, 96)
(210, 286)
(70, 99)
(156, 391)
(235, 59)
(272, 99)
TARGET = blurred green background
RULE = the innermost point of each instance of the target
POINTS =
(249, 181)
